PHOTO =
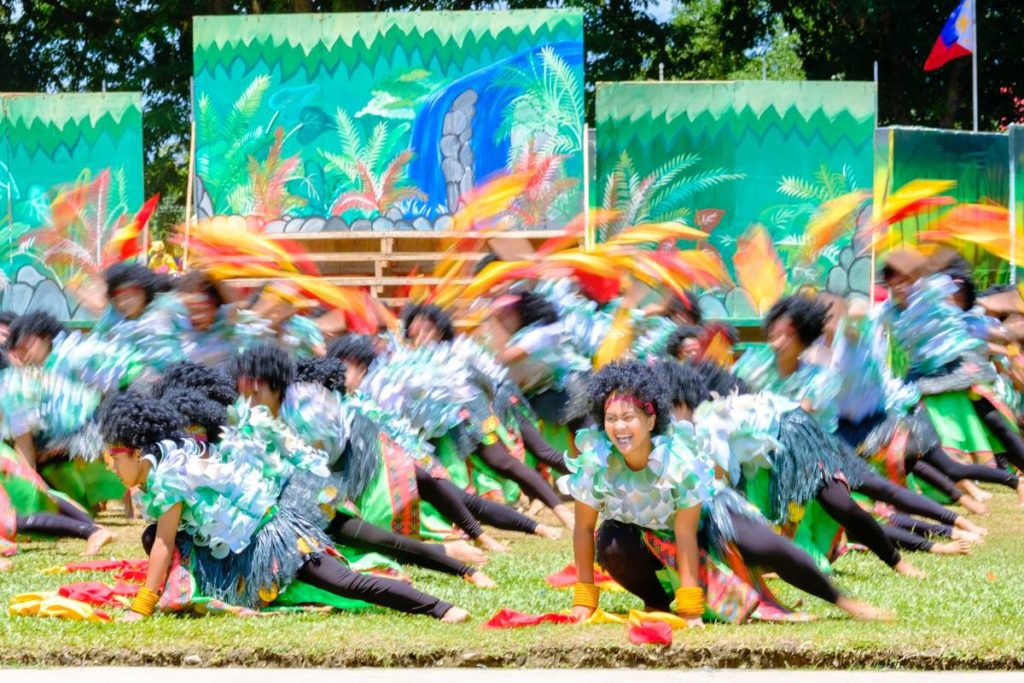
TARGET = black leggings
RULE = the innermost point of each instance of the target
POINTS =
(623, 554)
(1013, 443)
(910, 533)
(905, 539)
(879, 488)
(356, 532)
(497, 457)
(920, 527)
(861, 527)
(938, 459)
(329, 574)
(467, 511)
(538, 445)
(67, 522)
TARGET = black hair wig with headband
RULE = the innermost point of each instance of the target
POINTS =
(131, 420)
(210, 382)
(198, 410)
(266, 363)
(434, 314)
(691, 384)
(807, 315)
(535, 309)
(127, 274)
(633, 380)
(351, 348)
(679, 335)
(33, 324)
(327, 372)
(686, 306)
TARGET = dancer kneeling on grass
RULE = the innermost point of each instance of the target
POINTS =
(646, 476)
(244, 537)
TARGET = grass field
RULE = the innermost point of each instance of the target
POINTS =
(969, 613)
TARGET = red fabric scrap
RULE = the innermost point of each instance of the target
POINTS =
(650, 633)
(567, 577)
(508, 618)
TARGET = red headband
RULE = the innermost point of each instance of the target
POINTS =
(646, 407)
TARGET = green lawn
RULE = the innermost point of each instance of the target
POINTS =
(969, 613)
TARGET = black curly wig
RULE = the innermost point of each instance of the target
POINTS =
(634, 379)
(121, 274)
(33, 324)
(678, 336)
(686, 306)
(198, 282)
(132, 420)
(807, 315)
(327, 372)
(434, 314)
(533, 309)
(354, 349)
(267, 363)
(198, 410)
(691, 384)
(210, 382)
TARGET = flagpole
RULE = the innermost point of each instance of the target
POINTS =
(974, 63)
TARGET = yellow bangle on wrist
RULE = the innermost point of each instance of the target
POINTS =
(145, 602)
(585, 595)
(690, 602)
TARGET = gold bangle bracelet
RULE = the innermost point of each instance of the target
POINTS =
(145, 602)
(690, 601)
(586, 595)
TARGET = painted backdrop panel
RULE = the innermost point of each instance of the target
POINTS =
(978, 162)
(384, 121)
(53, 144)
(724, 156)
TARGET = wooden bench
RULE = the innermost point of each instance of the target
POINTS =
(386, 262)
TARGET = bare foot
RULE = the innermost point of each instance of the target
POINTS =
(5, 564)
(96, 541)
(971, 505)
(904, 568)
(464, 552)
(952, 548)
(455, 615)
(545, 531)
(481, 580)
(973, 491)
(964, 524)
(565, 515)
(863, 611)
(490, 544)
(534, 508)
(969, 536)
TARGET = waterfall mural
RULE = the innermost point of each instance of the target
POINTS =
(85, 149)
(748, 162)
(384, 121)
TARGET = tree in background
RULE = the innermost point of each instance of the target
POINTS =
(91, 45)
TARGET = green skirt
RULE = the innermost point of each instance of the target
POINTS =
(962, 433)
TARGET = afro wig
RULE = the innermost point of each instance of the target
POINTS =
(132, 420)
(198, 410)
(633, 379)
(122, 274)
(353, 349)
(679, 335)
(210, 382)
(691, 384)
(327, 372)
(535, 309)
(267, 363)
(435, 315)
(807, 315)
(34, 324)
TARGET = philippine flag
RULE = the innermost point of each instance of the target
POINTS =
(956, 39)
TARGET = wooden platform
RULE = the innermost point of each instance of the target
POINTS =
(386, 262)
